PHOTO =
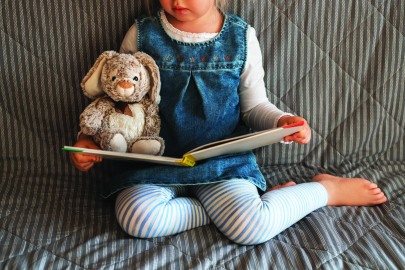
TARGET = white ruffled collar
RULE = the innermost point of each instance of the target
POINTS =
(184, 36)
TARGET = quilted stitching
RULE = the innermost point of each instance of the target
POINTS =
(341, 64)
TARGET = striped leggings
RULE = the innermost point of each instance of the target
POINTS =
(234, 206)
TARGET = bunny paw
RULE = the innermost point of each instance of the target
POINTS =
(118, 143)
(148, 147)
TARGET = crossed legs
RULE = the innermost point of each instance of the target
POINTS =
(235, 206)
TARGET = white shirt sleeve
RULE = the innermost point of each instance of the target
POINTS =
(130, 41)
(257, 111)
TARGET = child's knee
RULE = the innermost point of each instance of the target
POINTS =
(127, 220)
(246, 232)
(137, 213)
(128, 227)
(148, 214)
(139, 221)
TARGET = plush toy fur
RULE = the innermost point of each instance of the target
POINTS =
(124, 115)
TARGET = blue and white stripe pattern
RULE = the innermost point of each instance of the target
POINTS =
(234, 206)
(340, 64)
(148, 211)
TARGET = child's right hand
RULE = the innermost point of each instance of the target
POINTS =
(84, 162)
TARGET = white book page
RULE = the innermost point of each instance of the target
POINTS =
(244, 143)
(126, 156)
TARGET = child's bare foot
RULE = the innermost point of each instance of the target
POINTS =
(288, 184)
(350, 191)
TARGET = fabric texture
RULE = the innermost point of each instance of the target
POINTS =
(199, 105)
(147, 211)
(234, 207)
(340, 64)
(192, 75)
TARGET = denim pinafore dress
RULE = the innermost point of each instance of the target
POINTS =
(199, 104)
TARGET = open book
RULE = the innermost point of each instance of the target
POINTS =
(228, 146)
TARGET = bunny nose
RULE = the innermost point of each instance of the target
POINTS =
(125, 84)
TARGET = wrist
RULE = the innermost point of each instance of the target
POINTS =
(282, 120)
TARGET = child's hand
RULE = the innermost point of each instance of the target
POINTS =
(84, 162)
(301, 137)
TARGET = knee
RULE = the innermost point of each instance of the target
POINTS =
(147, 212)
(249, 224)
(128, 223)
(137, 215)
(246, 232)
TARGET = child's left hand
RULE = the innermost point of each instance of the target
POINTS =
(301, 137)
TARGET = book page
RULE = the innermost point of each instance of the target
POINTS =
(213, 144)
(228, 146)
(126, 156)
(243, 143)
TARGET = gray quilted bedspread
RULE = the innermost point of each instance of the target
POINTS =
(340, 64)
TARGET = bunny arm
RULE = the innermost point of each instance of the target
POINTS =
(93, 115)
(152, 119)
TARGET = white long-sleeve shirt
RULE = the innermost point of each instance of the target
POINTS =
(257, 111)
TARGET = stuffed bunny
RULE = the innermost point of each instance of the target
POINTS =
(124, 115)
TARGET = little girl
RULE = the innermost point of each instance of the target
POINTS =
(212, 84)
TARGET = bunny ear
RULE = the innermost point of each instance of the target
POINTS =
(91, 83)
(154, 75)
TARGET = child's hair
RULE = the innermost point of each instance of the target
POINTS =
(152, 6)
